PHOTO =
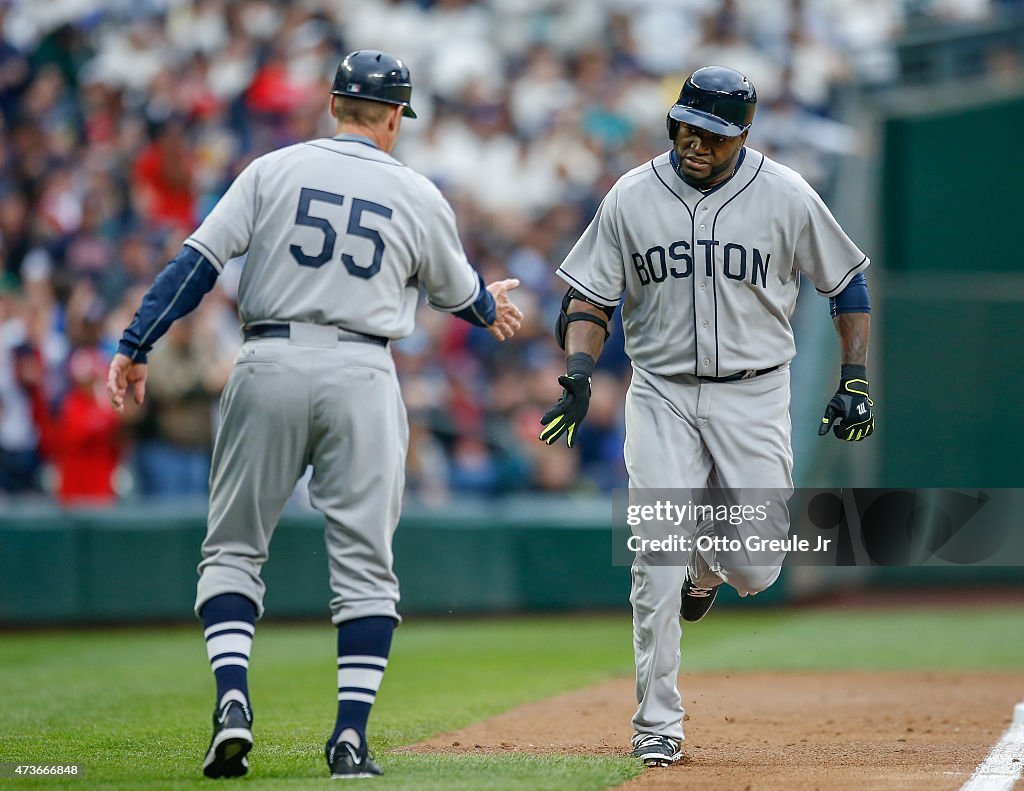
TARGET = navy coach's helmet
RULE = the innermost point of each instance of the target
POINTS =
(715, 98)
(375, 75)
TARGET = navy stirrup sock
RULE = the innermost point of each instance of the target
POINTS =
(229, 621)
(363, 647)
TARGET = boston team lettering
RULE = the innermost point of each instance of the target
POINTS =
(737, 262)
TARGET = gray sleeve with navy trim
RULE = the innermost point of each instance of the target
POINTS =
(444, 271)
(227, 230)
(594, 266)
(823, 250)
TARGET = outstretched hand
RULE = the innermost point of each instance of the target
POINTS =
(566, 416)
(508, 318)
(122, 373)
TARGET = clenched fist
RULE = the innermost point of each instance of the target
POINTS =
(850, 414)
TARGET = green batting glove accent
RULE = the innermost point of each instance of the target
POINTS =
(850, 414)
(565, 416)
(553, 430)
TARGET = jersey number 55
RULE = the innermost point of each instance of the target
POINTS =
(355, 228)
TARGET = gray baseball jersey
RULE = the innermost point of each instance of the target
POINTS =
(708, 281)
(316, 220)
(338, 235)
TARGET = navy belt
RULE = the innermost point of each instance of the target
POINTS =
(284, 331)
(739, 375)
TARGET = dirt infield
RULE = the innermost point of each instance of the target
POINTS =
(779, 731)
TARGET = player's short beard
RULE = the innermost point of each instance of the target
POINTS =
(717, 173)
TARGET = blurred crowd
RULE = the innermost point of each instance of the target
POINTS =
(123, 121)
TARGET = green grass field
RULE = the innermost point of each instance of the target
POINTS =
(133, 706)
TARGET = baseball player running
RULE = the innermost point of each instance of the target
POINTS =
(704, 247)
(339, 237)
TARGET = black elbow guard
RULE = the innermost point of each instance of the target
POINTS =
(565, 318)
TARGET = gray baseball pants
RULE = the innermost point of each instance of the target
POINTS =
(310, 399)
(683, 433)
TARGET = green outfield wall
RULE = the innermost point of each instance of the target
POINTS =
(952, 175)
(135, 564)
(950, 299)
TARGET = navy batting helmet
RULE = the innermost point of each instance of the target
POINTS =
(715, 98)
(372, 74)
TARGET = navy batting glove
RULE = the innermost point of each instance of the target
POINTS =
(566, 416)
(850, 414)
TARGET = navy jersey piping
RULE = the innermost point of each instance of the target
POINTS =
(364, 159)
(464, 303)
(674, 161)
(693, 286)
(206, 251)
(589, 291)
(693, 252)
(842, 280)
(482, 300)
(714, 279)
(677, 195)
(361, 139)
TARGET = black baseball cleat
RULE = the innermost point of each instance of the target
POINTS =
(696, 601)
(655, 750)
(231, 742)
(345, 761)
